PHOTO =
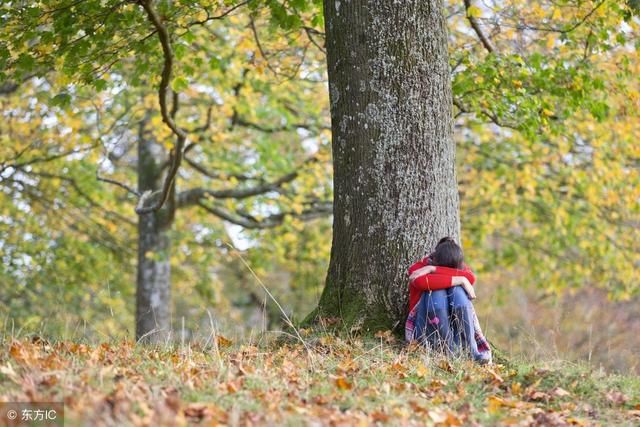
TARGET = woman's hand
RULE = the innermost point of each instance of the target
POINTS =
(464, 282)
(422, 271)
(470, 290)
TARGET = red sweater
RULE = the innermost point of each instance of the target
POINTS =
(440, 279)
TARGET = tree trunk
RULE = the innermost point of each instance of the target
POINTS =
(153, 292)
(393, 153)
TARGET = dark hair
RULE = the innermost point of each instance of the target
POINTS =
(445, 239)
(448, 254)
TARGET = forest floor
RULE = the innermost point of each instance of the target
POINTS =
(313, 380)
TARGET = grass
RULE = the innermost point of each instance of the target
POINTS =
(330, 380)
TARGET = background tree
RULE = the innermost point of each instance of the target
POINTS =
(230, 108)
(545, 109)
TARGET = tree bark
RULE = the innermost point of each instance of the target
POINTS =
(393, 153)
(153, 291)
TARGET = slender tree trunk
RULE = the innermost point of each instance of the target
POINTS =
(153, 292)
(394, 157)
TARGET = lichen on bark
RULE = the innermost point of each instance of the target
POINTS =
(394, 156)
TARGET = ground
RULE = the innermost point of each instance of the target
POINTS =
(305, 379)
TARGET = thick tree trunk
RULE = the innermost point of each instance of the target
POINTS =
(394, 157)
(153, 291)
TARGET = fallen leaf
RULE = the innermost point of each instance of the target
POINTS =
(576, 421)
(380, 416)
(516, 388)
(548, 419)
(445, 365)
(495, 403)
(223, 342)
(386, 336)
(437, 415)
(422, 371)
(343, 384)
(560, 392)
(437, 383)
(494, 377)
(537, 395)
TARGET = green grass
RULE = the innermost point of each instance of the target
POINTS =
(327, 379)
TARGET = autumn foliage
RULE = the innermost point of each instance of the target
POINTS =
(324, 380)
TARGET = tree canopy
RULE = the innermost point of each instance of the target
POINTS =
(234, 95)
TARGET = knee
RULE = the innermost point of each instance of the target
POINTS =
(459, 297)
(435, 300)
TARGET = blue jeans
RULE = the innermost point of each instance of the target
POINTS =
(445, 322)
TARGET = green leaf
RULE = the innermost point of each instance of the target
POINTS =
(62, 100)
(100, 84)
(179, 84)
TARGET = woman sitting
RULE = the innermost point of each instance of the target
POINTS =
(441, 314)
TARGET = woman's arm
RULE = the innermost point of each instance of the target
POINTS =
(426, 277)
(435, 282)
(416, 266)
(432, 282)
(420, 268)
(456, 272)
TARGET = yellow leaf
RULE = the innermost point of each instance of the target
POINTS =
(223, 342)
(474, 12)
(422, 371)
(343, 384)
(495, 403)
(551, 41)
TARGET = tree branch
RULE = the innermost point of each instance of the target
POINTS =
(209, 174)
(196, 195)
(248, 222)
(167, 118)
(309, 31)
(74, 184)
(117, 184)
(476, 27)
(566, 29)
(43, 159)
(487, 113)
(214, 17)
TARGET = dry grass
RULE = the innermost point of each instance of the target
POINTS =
(327, 380)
